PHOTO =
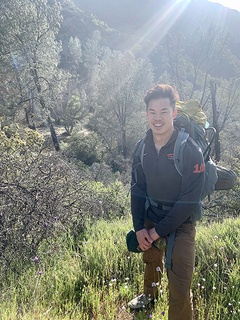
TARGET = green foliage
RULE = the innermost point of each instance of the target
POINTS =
(37, 196)
(31, 55)
(85, 147)
(99, 277)
(75, 50)
(42, 195)
(113, 200)
(217, 276)
(123, 79)
(74, 111)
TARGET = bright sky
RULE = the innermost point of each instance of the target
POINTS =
(233, 4)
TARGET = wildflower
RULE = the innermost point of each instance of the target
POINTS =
(40, 273)
(150, 316)
(127, 279)
(85, 242)
(216, 237)
(215, 265)
(163, 313)
(123, 308)
(214, 288)
(35, 259)
(153, 284)
(158, 269)
(203, 279)
(100, 202)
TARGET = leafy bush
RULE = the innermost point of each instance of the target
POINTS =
(85, 147)
(112, 200)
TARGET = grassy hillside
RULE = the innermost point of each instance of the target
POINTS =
(94, 278)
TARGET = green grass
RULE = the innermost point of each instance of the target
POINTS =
(95, 278)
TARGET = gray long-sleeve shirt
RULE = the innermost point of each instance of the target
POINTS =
(159, 180)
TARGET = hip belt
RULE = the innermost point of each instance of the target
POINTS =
(149, 202)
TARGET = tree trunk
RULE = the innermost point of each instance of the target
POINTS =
(43, 105)
(124, 144)
(217, 144)
(30, 124)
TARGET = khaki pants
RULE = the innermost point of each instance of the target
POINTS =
(179, 277)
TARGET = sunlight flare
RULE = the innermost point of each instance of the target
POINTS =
(154, 30)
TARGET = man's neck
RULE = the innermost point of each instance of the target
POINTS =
(161, 140)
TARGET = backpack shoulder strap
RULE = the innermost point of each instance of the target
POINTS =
(178, 150)
(139, 152)
(140, 147)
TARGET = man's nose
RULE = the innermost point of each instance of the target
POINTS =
(158, 116)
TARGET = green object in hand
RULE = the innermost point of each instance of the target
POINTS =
(160, 243)
(132, 243)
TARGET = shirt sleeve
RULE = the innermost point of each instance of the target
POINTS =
(191, 189)
(138, 194)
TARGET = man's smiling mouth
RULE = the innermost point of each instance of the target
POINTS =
(158, 125)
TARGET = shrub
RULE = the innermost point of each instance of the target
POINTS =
(38, 193)
(85, 147)
(42, 194)
(112, 200)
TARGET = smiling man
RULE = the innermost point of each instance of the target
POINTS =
(162, 203)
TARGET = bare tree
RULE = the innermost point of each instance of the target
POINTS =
(207, 49)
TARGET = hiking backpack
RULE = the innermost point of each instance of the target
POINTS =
(192, 120)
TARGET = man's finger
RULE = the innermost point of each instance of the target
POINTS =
(148, 238)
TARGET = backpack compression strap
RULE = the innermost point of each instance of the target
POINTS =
(178, 150)
(140, 149)
(139, 152)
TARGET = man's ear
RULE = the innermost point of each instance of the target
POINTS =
(175, 113)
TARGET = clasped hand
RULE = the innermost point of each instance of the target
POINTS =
(146, 237)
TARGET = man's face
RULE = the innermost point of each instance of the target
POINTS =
(160, 115)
